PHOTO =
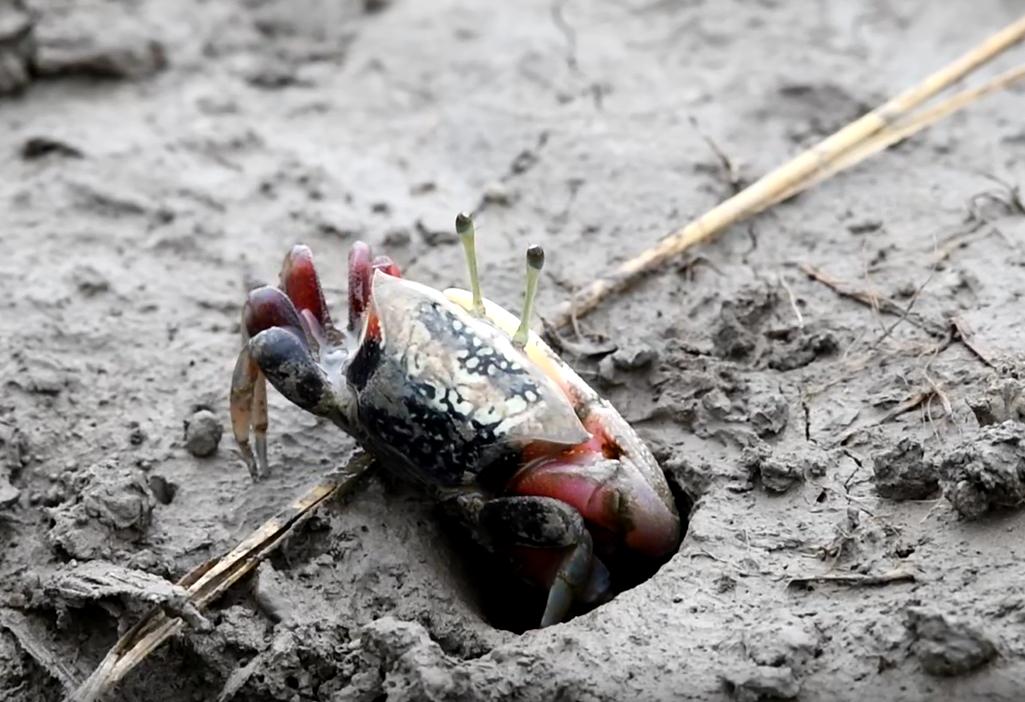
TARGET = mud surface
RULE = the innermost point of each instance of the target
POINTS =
(857, 475)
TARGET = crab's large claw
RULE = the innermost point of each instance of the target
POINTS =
(624, 512)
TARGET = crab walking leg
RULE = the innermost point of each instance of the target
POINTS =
(244, 382)
(301, 284)
(260, 423)
(547, 524)
(535, 262)
(360, 275)
(467, 234)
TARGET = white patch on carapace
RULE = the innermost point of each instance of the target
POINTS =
(474, 391)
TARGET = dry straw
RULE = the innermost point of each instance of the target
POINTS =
(211, 580)
(868, 135)
(875, 131)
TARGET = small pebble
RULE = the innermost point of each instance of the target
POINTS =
(202, 433)
(634, 357)
(135, 434)
(497, 193)
(8, 493)
(89, 280)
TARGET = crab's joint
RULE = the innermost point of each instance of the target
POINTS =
(467, 234)
(535, 262)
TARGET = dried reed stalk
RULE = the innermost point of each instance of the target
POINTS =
(887, 123)
(210, 580)
(907, 127)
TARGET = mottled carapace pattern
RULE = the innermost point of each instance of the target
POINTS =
(447, 393)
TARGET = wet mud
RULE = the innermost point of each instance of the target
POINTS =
(855, 472)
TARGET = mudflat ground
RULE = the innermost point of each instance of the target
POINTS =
(855, 469)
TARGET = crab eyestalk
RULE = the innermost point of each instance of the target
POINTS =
(535, 262)
(465, 230)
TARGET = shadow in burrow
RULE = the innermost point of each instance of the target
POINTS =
(513, 604)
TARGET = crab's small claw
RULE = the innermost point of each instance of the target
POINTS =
(276, 348)
(286, 361)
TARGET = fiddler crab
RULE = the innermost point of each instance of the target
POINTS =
(458, 394)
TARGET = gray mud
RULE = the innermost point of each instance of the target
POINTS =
(160, 156)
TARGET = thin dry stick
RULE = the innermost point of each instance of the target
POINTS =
(960, 240)
(856, 579)
(902, 407)
(210, 580)
(17, 624)
(895, 133)
(967, 337)
(872, 299)
(789, 176)
(793, 301)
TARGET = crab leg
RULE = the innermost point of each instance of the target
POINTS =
(244, 403)
(386, 265)
(260, 422)
(301, 283)
(536, 527)
(360, 274)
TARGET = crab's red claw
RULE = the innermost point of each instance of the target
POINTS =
(610, 496)
(301, 283)
(361, 271)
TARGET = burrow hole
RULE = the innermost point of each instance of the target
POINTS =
(506, 602)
